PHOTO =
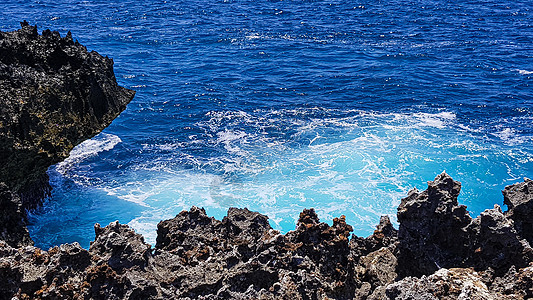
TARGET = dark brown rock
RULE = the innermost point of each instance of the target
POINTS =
(188, 230)
(380, 267)
(436, 232)
(461, 283)
(54, 94)
(119, 247)
(445, 284)
(10, 272)
(495, 243)
(385, 235)
(317, 240)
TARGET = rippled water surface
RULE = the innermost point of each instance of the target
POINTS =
(283, 105)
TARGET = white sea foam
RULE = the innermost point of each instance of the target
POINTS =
(279, 162)
(229, 139)
(87, 149)
(133, 192)
(438, 120)
(524, 72)
(253, 36)
(146, 227)
(510, 136)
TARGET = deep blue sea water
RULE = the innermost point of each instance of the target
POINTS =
(283, 105)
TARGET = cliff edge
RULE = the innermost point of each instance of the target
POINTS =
(54, 94)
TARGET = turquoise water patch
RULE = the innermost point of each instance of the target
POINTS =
(351, 163)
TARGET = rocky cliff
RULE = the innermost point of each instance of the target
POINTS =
(439, 252)
(54, 94)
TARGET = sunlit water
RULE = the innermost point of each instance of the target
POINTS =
(281, 106)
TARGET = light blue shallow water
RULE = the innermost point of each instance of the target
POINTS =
(280, 106)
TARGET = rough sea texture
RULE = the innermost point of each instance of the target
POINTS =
(280, 106)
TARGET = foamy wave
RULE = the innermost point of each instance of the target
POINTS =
(87, 149)
(147, 227)
(279, 162)
(253, 36)
(510, 136)
(437, 120)
(231, 139)
(524, 72)
(132, 192)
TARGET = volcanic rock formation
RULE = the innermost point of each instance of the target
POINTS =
(242, 257)
(54, 94)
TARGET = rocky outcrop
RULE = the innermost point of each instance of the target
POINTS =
(54, 94)
(432, 229)
(519, 200)
(459, 283)
(242, 257)
(435, 232)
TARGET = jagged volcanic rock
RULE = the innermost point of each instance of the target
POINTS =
(445, 284)
(432, 230)
(519, 200)
(436, 232)
(242, 257)
(54, 94)
(495, 243)
(464, 283)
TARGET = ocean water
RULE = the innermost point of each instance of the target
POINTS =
(278, 106)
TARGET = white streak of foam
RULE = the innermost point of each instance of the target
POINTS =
(435, 120)
(87, 149)
(135, 194)
(253, 36)
(509, 136)
(229, 138)
(146, 229)
(524, 72)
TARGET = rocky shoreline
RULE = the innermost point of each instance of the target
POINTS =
(439, 252)
(55, 94)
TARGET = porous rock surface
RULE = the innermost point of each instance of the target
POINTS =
(435, 232)
(242, 257)
(12, 226)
